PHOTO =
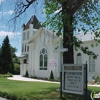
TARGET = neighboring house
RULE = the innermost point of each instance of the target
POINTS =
(81, 58)
(39, 58)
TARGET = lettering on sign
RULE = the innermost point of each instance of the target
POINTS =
(73, 81)
(73, 78)
(52, 63)
(72, 68)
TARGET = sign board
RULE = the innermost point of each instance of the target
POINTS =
(52, 63)
(73, 78)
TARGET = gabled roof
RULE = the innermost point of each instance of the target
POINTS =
(89, 36)
(35, 36)
(33, 20)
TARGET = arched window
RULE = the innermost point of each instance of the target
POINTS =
(91, 64)
(79, 59)
(43, 59)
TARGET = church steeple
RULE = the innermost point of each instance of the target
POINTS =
(33, 21)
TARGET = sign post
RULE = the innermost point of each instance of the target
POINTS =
(85, 95)
(73, 78)
(60, 50)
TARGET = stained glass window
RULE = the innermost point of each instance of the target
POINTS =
(43, 59)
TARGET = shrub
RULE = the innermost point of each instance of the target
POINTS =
(16, 68)
(13, 97)
(35, 77)
(96, 78)
(51, 76)
(45, 78)
(6, 75)
(93, 77)
(26, 74)
(58, 80)
(98, 83)
(9, 74)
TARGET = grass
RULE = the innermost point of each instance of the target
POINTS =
(5, 75)
(36, 91)
(69, 96)
(30, 90)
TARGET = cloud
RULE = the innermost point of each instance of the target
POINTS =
(4, 26)
(4, 33)
(1, 1)
(18, 54)
(10, 12)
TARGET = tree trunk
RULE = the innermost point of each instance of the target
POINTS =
(68, 57)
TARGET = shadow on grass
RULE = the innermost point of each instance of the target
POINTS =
(49, 94)
(69, 96)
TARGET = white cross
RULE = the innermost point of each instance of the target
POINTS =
(60, 50)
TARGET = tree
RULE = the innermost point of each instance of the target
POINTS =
(72, 15)
(67, 19)
(6, 58)
(15, 59)
(0, 61)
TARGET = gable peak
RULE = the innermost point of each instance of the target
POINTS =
(34, 21)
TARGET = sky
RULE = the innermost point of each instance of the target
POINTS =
(13, 29)
(10, 27)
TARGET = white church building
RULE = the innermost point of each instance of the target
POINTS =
(38, 51)
(38, 55)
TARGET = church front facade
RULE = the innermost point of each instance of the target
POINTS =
(38, 56)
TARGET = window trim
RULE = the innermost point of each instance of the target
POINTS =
(24, 61)
(43, 53)
(93, 64)
(78, 55)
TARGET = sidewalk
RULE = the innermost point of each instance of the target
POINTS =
(20, 78)
(3, 98)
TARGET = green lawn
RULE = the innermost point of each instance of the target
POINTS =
(79, 97)
(35, 90)
(30, 90)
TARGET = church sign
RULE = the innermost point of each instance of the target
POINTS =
(52, 63)
(73, 78)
